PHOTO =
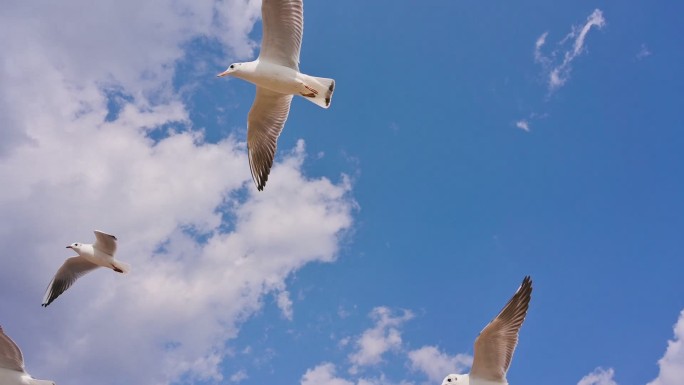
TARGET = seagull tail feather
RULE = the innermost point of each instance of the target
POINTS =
(318, 90)
(121, 267)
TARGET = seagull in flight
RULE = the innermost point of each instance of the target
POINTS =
(277, 78)
(496, 343)
(90, 257)
(12, 370)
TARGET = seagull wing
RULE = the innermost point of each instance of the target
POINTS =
(283, 25)
(71, 270)
(264, 124)
(105, 242)
(10, 355)
(496, 343)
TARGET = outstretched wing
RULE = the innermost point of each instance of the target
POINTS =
(10, 354)
(496, 343)
(264, 124)
(283, 26)
(71, 270)
(105, 242)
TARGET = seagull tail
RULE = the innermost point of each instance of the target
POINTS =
(121, 267)
(318, 90)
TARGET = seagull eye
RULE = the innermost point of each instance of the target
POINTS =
(449, 380)
(232, 66)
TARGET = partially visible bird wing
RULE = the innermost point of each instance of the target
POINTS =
(496, 343)
(283, 25)
(105, 242)
(264, 124)
(10, 354)
(71, 270)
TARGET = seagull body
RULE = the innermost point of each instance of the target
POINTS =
(90, 257)
(496, 343)
(12, 370)
(276, 74)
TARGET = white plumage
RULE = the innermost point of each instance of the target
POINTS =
(12, 370)
(276, 74)
(496, 343)
(90, 257)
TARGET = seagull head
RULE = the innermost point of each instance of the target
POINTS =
(455, 379)
(231, 69)
(75, 246)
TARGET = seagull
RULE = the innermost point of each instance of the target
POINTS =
(277, 78)
(90, 257)
(12, 370)
(496, 343)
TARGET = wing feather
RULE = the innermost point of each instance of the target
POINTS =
(105, 242)
(496, 343)
(265, 122)
(71, 270)
(10, 354)
(283, 26)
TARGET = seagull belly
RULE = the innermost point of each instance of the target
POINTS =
(277, 78)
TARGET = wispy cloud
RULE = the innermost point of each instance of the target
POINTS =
(599, 376)
(239, 376)
(644, 52)
(285, 304)
(558, 65)
(523, 125)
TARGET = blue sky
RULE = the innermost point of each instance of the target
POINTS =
(449, 166)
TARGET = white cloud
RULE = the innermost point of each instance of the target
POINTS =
(644, 52)
(384, 336)
(239, 376)
(599, 376)
(323, 374)
(672, 363)
(523, 125)
(558, 70)
(204, 245)
(436, 365)
(285, 304)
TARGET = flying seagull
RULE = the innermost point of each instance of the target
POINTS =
(90, 257)
(496, 343)
(12, 370)
(276, 76)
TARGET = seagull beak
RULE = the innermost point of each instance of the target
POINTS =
(222, 74)
(69, 247)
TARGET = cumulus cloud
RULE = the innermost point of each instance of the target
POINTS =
(204, 246)
(599, 376)
(323, 374)
(436, 364)
(384, 336)
(672, 363)
(558, 65)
